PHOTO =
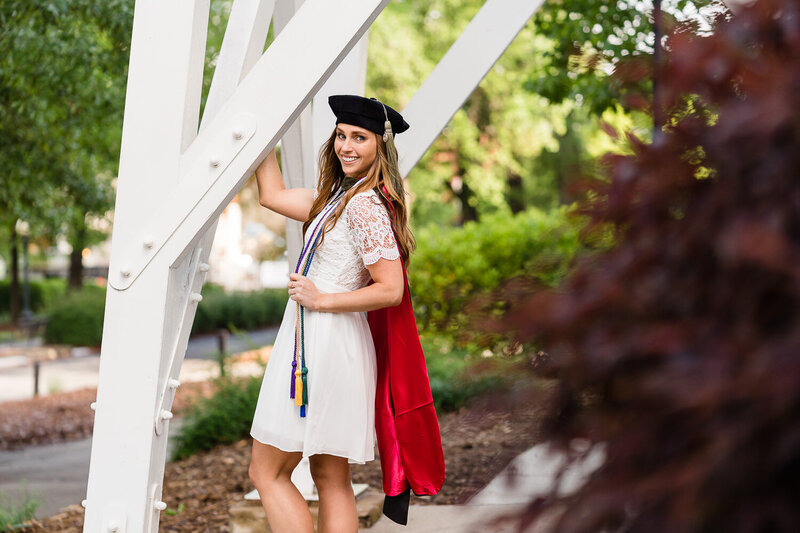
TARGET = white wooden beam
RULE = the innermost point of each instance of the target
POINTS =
(297, 161)
(226, 153)
(242, 46)
(349, 78)
(461, 69)
(161, 113)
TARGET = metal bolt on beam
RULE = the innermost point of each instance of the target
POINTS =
(93, 406)
(166, 415)
(196, 297)
(173, 383)
(83, 503)
(148, 242)
(214, 162)
(238, 134)
(113, 527)
(160, 506)
(204, 267)
(125, 272)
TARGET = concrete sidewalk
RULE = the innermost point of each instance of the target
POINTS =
(530, 474)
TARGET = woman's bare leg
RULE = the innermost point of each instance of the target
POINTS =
(271, 473)
(337, 504)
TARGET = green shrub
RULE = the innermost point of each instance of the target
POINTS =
(15, 511)
(77, 318)
(43, 292)
(222, 418)
(458, 374)
(242, 310)
(452, 266)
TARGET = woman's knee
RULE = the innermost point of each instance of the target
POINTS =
(269, 464)
(329, 470)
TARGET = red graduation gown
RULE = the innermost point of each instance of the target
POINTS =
(409, 442)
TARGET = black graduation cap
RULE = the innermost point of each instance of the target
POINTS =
(365, 112)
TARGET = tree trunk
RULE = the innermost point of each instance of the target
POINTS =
(516, 196)
(14, 289)
(76, 260)
(464, 194)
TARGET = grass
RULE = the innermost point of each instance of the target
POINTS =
(14, 511)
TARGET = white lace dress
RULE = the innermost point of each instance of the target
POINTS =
(340, 355)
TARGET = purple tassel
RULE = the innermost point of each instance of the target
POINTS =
(291, 389)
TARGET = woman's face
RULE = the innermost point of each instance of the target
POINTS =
(356, 149)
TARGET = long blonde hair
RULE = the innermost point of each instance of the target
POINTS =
(383, 176)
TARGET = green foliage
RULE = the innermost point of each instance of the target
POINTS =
(44, 293)
(535, 115)
(222, 418)
(242, 310)
(63, 66)
(77, 319)
(458, 374)
(15, 511)
(172, 512)
(453, 266)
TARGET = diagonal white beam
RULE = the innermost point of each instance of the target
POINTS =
(461, 69)
(226, 152)
(242, 46)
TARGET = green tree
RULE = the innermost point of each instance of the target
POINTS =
(516, 138)
(62, 82)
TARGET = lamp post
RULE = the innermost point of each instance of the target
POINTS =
(23, 229)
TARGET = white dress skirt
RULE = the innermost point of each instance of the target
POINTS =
(340, 355)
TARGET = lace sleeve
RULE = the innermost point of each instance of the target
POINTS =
(371, 229)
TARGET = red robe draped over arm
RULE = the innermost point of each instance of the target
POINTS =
(409, 442)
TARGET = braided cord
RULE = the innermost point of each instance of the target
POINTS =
(298, 389)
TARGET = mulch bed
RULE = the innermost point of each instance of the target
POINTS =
(479, 441)
(67, 416)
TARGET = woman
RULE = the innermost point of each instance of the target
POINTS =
(318, 394)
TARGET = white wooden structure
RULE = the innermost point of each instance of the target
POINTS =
(177, 174)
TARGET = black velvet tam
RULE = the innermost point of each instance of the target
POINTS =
(365, 112)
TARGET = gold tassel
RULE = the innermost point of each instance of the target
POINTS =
(298, 388)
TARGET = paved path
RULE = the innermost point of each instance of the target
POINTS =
(206, 346)
(57, 474)
(61, 375)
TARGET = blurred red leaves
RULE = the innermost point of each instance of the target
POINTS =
(679, 349)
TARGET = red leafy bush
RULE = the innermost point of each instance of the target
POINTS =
(679, 349)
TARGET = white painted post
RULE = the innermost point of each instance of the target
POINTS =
(349, 78)
(161, 111)
(297, 162)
